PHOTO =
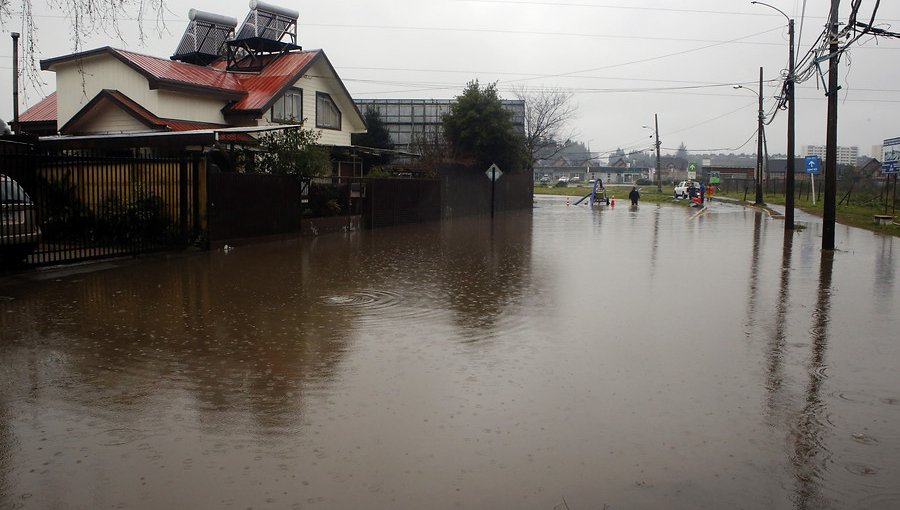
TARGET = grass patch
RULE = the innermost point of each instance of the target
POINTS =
(854, 215)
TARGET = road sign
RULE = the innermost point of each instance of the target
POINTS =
(812, 165)
(692, 171)
(891, 156)
(493, 172)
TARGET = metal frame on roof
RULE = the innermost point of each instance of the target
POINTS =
(262, 34)
(204, 38)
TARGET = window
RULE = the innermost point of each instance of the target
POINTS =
(289, 107)
(327, 114)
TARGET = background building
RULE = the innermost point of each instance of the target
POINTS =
(845, 155)
(412, 120)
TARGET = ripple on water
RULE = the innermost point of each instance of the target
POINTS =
(119, 436)
(860, 469)
(390, 306)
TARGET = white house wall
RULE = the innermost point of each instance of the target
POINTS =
(98, 73)
(111, 119)
(315, 80)
(107, 72)
(175, 105)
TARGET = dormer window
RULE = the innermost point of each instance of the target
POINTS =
(328, 116)
(288, 109)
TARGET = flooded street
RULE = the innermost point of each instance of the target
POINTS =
(562, 357)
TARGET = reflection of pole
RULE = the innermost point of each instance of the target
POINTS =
(809, 441)
(759, 148)
(829, 214)
(656, 131)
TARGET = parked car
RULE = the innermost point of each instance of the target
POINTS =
(19, 229)
(575, 178)
(545, 179)
(681, 189)
(564, 179)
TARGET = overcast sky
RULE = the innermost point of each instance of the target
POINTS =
(625, 60)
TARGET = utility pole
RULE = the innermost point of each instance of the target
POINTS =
(829, 213)
(656, 132)
(789, 176)
(15, 122)
(759, 148)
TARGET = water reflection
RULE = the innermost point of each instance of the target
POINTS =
(464, 365)
(752, 293)
(234, 335)
(884, 274)
(775, 351)
(811, 454)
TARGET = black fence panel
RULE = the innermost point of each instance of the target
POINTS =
(252, 205)
(391, 202)
(68, 207)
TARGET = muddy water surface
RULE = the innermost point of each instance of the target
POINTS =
(622, 359)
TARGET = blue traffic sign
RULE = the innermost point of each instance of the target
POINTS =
(812, 165)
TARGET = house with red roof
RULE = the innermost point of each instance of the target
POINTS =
(232, 83)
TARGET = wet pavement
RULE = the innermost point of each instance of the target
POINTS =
(661, 357)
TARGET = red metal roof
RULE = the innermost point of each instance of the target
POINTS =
(251, 92)
(43, 111)
(175, 72)
(280, 72)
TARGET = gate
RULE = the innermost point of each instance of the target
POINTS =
(84, 206)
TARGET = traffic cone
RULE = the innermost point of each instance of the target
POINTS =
(567, 201)
(612, 200)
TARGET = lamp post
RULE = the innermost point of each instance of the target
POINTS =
(789, 92)
(656, 133)
(759, 136)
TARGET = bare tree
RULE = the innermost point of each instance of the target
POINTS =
(86, 18)
(547, 113)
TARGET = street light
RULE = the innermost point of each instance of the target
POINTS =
(759, 137)
(789, 92)
(656, 132)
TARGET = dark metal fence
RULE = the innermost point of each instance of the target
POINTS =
(89, 207)
(390, 202)
(252, 205)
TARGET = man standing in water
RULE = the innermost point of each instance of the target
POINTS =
(635, 195)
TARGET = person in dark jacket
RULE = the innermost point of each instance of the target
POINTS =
(635, 195)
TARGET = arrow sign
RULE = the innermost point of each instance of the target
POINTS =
(812, 165)
(493, 172)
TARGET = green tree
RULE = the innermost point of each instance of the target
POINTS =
(293, 151)
(480, 129)
(376, 136)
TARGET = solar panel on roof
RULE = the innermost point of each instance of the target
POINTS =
(204, 38)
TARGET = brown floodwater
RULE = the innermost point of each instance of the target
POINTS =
(557, 358)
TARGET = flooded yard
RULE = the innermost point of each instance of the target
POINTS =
(559, 358)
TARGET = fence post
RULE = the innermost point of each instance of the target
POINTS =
(183, 197)
(195, 195)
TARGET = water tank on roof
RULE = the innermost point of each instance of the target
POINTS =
(204, 38)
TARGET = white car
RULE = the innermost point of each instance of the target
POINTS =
(681, 190)
(564, 179)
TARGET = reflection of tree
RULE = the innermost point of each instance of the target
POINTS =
(809, 451)
(486, 265)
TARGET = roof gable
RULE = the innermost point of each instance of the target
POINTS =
(106, 99)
